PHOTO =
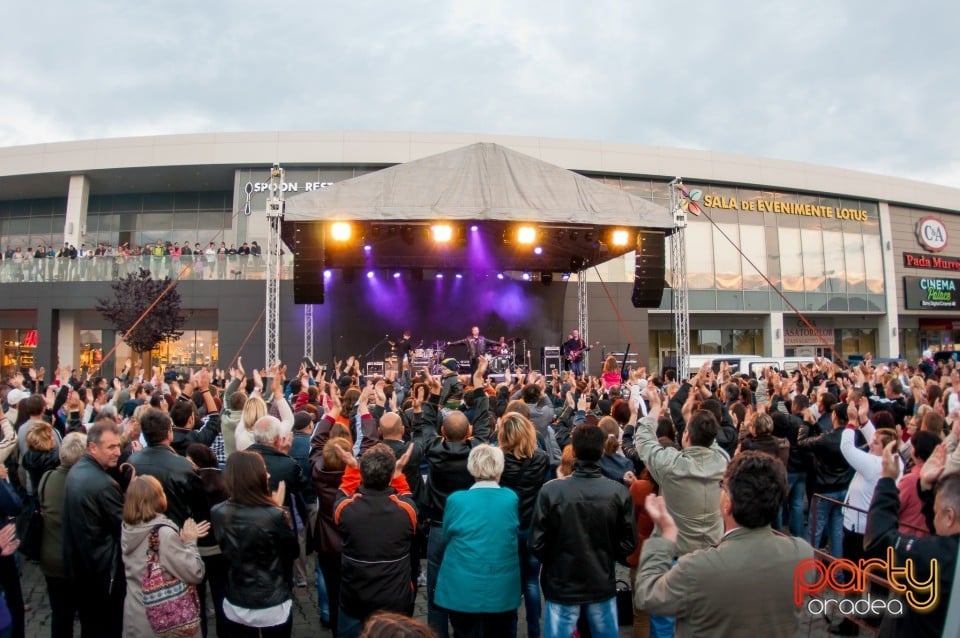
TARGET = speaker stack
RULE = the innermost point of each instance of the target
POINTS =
(308, 264)
(648, 277)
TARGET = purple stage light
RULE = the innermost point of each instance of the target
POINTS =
(459, 275)
(526, 276)
(565, 276)
(396, 275)
(367, 248)
(327, 273)
(538, 250)
(439, 275)
(369, 274)
(473, 228)
(499, 275)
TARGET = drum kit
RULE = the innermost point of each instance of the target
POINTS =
(501, 357)
(428, 358)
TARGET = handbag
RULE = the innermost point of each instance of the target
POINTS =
(30, 524)
(624, 604)
(172, 606)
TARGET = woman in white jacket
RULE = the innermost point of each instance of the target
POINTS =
(256, 407)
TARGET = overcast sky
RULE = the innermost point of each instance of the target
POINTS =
(869, 85)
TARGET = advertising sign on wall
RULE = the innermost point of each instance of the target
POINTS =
(931, 293)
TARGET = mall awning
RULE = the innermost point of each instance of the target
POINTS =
(479, 182)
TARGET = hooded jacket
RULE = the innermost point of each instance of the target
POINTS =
(178, 558)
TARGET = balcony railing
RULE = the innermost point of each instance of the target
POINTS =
(90, 269)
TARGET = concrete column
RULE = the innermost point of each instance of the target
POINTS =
(78, 196)
(773, 335)
(888, 339)
(68, 339)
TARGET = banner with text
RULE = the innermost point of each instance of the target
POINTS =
(931, 293)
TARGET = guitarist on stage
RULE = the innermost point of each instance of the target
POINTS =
(572, 351)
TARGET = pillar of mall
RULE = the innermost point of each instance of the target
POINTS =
(78, 195)
(68, 339)
(773, 335)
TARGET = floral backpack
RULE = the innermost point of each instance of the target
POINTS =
(172, 606)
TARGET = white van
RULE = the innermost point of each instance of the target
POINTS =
(747, 363)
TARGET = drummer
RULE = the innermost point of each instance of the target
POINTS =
(502, 349)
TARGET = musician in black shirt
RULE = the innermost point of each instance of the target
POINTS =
(572, 351)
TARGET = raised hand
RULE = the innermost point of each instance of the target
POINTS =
(932, 468)
(402, 461)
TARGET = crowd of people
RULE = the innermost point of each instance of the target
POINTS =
(242, 486)
(103, 261)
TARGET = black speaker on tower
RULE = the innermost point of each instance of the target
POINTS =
(648, 277)
(308, 264)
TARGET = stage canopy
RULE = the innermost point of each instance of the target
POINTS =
(501, 211)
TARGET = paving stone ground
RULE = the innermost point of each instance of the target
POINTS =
(306, 619)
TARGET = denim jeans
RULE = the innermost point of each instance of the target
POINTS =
(348, 626)
(561, 620)
(437, 617)
(830, 518)
(323, 601)
(530, 586)
(796, 487)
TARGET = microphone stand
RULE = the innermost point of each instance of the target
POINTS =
(375, 346)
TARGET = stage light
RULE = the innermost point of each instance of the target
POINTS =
(620, 238)
(341, 231)
(442, 232)
(327, 274)
(369, 274)
(538, 250)
(526, 276)
(367, 248)
(473, 228)
(396, 275)
(526, 235)
(499, 275)
(459, 275)
(439, 275)
(565, 276)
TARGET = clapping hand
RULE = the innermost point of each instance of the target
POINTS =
(8, 540)
(657, 509)
(192, 530)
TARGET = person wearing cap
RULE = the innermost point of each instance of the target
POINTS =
(451, 390)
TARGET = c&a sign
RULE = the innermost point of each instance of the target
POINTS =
(932, 234)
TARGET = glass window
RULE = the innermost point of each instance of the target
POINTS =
(185, 220)
(754, 247)
(186, 201)
(812, 251)
(210, 221)
(700, 259)
(791, 260)
(853, 259)
(158, 201)
(155, 221)
(873, 257)
(833, 260)
(725, 256)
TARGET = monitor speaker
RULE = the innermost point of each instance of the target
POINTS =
(648, 277)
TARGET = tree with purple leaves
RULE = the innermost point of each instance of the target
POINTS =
(139, 293)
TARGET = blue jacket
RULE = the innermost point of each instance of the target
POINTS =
(480, 572)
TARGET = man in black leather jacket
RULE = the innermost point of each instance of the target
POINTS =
(180, 481)
(92, 514)
(581, 527)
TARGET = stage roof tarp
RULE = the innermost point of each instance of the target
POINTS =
(482, 181)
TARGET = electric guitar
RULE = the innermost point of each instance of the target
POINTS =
(576, 355)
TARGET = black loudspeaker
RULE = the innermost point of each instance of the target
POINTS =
(648, 277)
(308, 264)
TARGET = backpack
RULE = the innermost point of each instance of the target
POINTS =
(172, 606)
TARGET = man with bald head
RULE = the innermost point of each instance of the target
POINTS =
(446, 453)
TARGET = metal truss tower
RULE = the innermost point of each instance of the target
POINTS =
(583, 316)
(678, 279)
(274, 264)
(308, 331)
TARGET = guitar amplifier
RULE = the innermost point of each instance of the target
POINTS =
(374, 368)
(551, 363)
(550, 351)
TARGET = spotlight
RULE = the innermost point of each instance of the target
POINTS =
(526, 276)
(538, 250)
(526, 235)
(367, 248)
(620, 237)
(441, 232)
(499, 275)
(396, 275)
(439, 275)
(473, 228)
(459, 275)
(341, 231)
(565, 276)
(327, 274)
(369, 274)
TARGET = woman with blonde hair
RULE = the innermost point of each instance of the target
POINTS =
(144, 528)
(253, 410)
(524, 471)
(256, 407)
(611, 372)
(43, 453)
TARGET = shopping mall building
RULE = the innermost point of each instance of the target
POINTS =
(869, 260)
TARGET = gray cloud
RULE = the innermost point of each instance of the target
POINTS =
(855, 84)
